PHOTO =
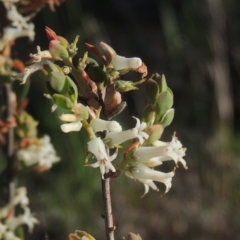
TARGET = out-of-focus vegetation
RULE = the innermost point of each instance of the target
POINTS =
(196, 45)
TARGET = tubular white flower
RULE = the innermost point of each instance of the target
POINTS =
(26, 218)
(163, 151)
(147, 175)
(100, 125)
(148, 183)
(97, 147)
(20, 198)
(122, 63)
(73, 123)
(137, 132)
(12, 222)
(71, 127)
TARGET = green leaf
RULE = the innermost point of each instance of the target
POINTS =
(168, 117)
(124, 86)
(72, 90)
(21, 90)
(154, 132)
(164, 102)
(161, 81)
(84, 234)
(152, 90)
(96, 73)
(57, 81)
(63, 41)
(50, 67)
(82, 111)
(62, 101)
(120, 107)
(148, 115)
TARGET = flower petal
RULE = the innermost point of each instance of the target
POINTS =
(70, 127)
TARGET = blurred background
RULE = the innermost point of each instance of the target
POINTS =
(196, 44)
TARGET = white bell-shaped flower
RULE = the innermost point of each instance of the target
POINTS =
(147, 175)
(122, 63)
(100, 125)
(137, 132)
(26, 218)
(97, 147)
(162, 151)
(73, 123)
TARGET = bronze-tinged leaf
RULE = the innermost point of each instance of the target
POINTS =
(19, 65)
(51, 35)
(95, 50)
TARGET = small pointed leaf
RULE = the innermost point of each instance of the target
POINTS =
(148, 115)
(168, 117)
(62, 101)
(152, 91)
(57, 81)
(63, 41)
(82, 111)
(72, 91)
(83, 234)
(161, 81)
(164, 102)
(154, 132)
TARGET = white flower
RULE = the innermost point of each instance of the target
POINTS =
(38, 60)
(20, 198)
(9, 235)
(26, 218)
(147, 175)
(3, 229)
(122, 63)
(163, 151)
(40, 153)
(73, 123)
(137, 132)
(100, 125)
(11, 33)
(97, 147)
(19, 26)
(12, 222)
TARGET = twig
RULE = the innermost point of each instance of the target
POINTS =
(109, 227)
(10, 110)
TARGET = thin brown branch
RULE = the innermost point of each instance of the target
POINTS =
(109, 227)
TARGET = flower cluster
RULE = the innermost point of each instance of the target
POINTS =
(9, 223)
(146, 158)
(38, 153)
(100, 88)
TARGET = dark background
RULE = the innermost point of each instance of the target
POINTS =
(196, 45)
